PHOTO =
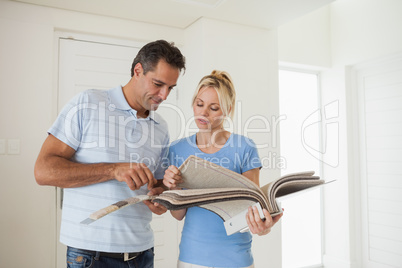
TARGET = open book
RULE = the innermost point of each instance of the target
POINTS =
(216, 188)
(221, 191)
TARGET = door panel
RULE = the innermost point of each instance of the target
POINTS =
(90, 65)
(379, 135)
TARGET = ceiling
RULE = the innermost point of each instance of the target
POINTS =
(182, 13)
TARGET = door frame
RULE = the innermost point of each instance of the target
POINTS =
(357, 168)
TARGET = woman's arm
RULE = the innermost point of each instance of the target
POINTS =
(171, 178)
(255, 223)
(179, 214)
(253, 175)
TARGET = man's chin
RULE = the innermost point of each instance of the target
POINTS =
(154, 107)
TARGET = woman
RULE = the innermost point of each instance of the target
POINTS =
(204, 242)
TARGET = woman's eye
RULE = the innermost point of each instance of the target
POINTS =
(214, 109)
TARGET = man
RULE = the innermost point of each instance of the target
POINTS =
(106, 146)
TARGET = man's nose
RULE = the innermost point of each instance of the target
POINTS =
(164, 93)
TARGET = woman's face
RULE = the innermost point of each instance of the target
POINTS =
(208, 114)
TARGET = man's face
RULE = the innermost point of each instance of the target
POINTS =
(154, 87)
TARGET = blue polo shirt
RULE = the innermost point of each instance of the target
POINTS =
(102, 128)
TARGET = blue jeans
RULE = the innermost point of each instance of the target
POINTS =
(77, 258)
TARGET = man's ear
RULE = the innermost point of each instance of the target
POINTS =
(138, 69)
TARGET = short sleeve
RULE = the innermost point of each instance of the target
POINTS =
(251, 158)
(68, 125)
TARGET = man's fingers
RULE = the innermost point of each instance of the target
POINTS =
(157, 209)
(141, 171)
(150, 176)
(141, 175)
(130, 182)
(155, 191)
(138, 178)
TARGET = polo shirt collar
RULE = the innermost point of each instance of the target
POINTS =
(119, 101)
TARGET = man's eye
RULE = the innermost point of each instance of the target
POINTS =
(158, 85)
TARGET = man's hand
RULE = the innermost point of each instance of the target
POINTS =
(54, 167)
(155, 207)
(135, 175)
(258, 226)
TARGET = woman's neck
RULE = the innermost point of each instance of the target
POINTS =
(212, 141)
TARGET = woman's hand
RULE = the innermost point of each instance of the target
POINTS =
(259, 226)
(172, 177)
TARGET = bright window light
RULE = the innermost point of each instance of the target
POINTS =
(300, 144)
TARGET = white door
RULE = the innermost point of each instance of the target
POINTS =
(103, 65)
(379, 167)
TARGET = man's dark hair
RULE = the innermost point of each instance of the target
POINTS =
(150, 54)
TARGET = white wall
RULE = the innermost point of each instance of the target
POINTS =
(364, 29)
(306, 40)
(358, 31)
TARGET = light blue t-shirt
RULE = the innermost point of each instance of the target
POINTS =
(103, 128)
(204, 240)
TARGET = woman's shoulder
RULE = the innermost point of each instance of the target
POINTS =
(186, 141)
(242, 141)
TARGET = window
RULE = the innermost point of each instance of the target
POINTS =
(300, 142)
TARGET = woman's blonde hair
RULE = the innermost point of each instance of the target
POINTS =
(222, 83)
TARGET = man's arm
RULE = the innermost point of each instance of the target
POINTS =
(53, 167)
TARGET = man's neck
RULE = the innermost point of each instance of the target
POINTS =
(141, 112)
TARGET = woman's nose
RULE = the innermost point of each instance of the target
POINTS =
(204, 111)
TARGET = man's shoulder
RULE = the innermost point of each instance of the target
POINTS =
(97, 93)
(91, 95)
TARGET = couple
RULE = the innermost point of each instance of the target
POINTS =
(89, 154)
